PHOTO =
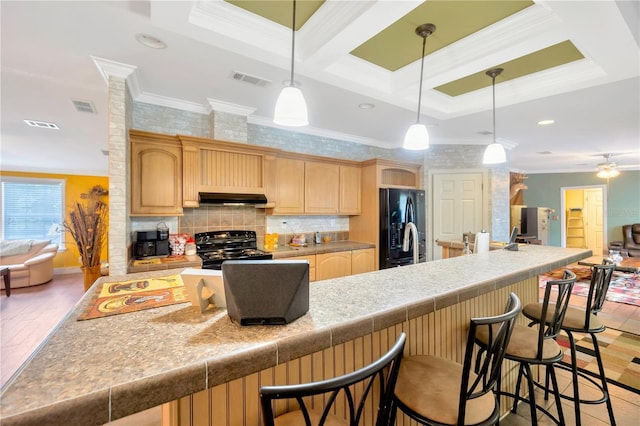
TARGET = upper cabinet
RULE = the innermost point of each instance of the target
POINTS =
(350, 190)
(225, 167)
(289, 183)
(321, 187)
(156, 175)
(169, 172)
(316, 187)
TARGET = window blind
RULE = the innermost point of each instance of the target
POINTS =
(32, 209)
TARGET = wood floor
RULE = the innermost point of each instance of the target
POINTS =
(30, 314)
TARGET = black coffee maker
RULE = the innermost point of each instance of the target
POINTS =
(152, 243)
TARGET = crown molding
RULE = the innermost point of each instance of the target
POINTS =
(228, 107)
(110, 68)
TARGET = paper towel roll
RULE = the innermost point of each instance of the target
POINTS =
(482, 242)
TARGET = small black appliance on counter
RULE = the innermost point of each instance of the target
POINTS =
(150, 244)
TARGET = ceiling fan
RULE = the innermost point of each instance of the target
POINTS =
(609, 169)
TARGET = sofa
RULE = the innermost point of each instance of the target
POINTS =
(30, 261)
(630, 245)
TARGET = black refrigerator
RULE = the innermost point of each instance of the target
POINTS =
(397, 208)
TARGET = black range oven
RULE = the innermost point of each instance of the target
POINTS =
(215, 247)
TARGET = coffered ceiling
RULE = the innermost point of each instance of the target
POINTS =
(577, 62)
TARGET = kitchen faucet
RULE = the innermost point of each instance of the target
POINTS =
(410, 229)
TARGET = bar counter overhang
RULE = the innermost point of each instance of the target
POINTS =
(96, 371)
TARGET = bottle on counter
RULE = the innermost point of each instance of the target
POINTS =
(466, 250)
(190, 247)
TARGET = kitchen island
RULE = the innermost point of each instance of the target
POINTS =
(205, 366)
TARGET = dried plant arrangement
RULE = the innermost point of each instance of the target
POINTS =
(87, 225)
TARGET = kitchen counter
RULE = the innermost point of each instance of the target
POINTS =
(95, 371)
(312, 248)
(179, 262)
(454, 248)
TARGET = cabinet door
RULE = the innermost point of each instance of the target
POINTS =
(312, 264)
(156, 179)
(333, 265)
(362, 261)
(350, 191)
(289, 186)
(322, 181)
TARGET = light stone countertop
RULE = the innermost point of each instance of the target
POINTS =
(95, 371)
(312, 248)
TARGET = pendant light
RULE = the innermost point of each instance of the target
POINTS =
(494, 153)
(417, 136)
(291, 108)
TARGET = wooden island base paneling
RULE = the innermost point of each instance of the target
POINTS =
(442, 333)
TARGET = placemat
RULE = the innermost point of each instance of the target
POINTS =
(130, 296)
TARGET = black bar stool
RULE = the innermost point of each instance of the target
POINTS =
(530, 346)
(584, 321)
(380, 375)
(438, 391)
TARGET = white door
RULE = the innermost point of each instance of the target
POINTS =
(457, 207)
(594, 220)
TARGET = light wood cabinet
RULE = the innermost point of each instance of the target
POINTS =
(333, 265)
(362, 261)
(350, 190)
(321, 187)
(225, 167)
(312, 264)
(156, 175)
(289, 186)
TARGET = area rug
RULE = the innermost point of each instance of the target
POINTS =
(624, 288)
(130, 296)
(620, 353)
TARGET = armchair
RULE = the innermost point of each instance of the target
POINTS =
(631, 241)
(30, 261)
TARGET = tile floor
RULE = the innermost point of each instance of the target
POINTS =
(30, 314)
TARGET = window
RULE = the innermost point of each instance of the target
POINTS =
(32, 209)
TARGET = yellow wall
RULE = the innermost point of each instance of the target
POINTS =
(75, 185)
(574, 199)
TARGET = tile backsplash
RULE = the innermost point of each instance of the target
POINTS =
(220, 218)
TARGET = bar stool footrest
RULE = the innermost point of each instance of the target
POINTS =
(538, 407)
(587, 377)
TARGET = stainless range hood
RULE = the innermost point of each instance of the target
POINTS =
(229, 198)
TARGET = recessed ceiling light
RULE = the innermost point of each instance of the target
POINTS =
(546, 122)
(150, 41)
(42, 124)
(366, 105)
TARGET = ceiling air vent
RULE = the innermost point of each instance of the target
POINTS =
(251, 79)
(42, 124)
(83, 106)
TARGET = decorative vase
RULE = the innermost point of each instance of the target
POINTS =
(91, 274)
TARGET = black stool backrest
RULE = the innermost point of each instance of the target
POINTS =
(380, 375)
(554, 307)
(500, 328)
(600, 280)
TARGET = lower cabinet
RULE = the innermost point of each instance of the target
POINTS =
(362, 261)
(337, 264)
(312, 264)
(333, 265)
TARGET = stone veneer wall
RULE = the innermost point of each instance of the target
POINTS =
(118, 143)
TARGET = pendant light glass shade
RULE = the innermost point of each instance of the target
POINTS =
(417, 136)
(291, 108)
(494, 153)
